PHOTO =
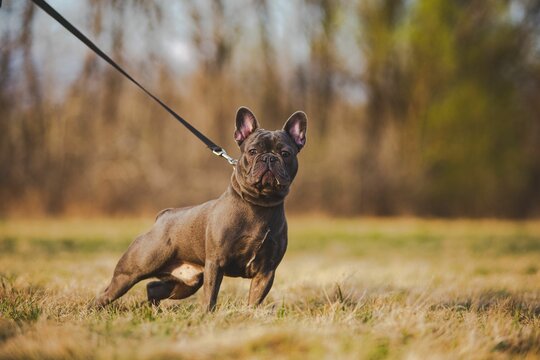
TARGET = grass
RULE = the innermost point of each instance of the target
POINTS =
(347, 288)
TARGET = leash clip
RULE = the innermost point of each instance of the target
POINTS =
(226, 156)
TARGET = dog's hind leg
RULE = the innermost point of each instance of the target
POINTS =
(142, 259)
(120, 284)
(183, 282)
(161, 290)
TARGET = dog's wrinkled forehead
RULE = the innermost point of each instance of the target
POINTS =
(269, 140)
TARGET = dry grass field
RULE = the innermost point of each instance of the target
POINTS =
(346, 289)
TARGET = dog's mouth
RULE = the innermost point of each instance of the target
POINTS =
(268, 181)
(268, 176)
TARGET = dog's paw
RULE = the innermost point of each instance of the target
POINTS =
(96, 305)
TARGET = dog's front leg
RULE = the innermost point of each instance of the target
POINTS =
(212, 281)
(260, 286)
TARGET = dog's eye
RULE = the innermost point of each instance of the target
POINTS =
(285, 154)
(252, 151)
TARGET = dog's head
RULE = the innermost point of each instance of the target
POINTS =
(268, 161)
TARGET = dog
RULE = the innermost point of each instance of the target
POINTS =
(243, 233)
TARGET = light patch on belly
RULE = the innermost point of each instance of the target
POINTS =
(188, 273)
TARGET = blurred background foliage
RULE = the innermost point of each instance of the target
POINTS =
(416, 107)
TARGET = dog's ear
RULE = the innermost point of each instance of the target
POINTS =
(246, 123)
(296, 127)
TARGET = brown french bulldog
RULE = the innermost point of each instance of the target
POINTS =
(243, 233)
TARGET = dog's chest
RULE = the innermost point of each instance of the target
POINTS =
(253, 252)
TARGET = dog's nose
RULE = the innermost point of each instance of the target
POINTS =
(269, 158)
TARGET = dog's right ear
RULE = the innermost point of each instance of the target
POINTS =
(246, 123)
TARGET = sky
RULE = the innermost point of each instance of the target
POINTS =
(59, 55)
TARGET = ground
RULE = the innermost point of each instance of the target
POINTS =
(346, 289)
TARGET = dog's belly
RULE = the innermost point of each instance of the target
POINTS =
(188, 273)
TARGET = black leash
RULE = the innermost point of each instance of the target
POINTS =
(217, 150)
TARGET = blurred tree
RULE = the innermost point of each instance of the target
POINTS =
(447, 71)
(422, 107)
(387, 86)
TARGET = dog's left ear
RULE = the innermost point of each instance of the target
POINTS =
(246, 123)
(296, 127)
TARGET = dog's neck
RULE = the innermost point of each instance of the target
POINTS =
(247, 196)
